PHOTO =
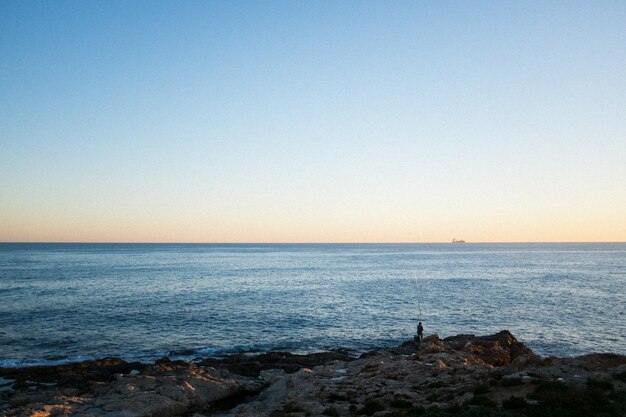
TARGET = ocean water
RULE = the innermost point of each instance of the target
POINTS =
(69, 302)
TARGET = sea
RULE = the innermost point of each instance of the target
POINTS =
(63, 303)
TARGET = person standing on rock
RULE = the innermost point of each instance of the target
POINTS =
(420, 331)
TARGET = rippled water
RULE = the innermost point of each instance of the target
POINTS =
(66, 302)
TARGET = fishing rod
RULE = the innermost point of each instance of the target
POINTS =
(419, 305)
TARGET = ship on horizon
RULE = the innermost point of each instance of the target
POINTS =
(457, 241)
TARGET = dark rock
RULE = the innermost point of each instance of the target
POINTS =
(432, 372)
(376, 352)
(75, 375)
(459, 341)
(247, 365)
(497, 350)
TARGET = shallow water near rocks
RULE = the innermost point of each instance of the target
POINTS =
(70, 302)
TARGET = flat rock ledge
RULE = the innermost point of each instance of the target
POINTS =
(463, 375)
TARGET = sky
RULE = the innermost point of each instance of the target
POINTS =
(312, 121)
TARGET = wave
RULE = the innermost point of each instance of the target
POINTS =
(23, 363)
(144, 357)
(189, 355)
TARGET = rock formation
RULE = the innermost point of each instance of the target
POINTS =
(453, 376)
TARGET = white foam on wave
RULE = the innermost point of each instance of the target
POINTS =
(23, 363)
(145, 357)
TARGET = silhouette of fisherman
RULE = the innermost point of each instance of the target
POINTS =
(420, 331)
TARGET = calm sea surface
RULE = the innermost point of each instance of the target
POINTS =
(69, 302)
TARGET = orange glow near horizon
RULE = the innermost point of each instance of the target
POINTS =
(293, 230)
(420, 122)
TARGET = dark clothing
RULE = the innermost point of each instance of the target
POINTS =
(420, 331)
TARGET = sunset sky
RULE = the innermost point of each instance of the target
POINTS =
(312, 121)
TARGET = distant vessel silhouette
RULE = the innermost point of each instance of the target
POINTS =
(457, 241)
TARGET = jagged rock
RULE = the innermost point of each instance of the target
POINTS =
(432, 372)
(162, 390)
(526, 361)
(496, 350)
(247, 365)
(77, 375)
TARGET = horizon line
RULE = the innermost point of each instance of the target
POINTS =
(305, 243)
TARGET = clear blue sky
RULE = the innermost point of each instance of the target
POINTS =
(312, 121)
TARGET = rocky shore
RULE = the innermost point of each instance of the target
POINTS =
(462, 375)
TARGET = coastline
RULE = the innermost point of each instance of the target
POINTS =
(92, 301)
(451, 376)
